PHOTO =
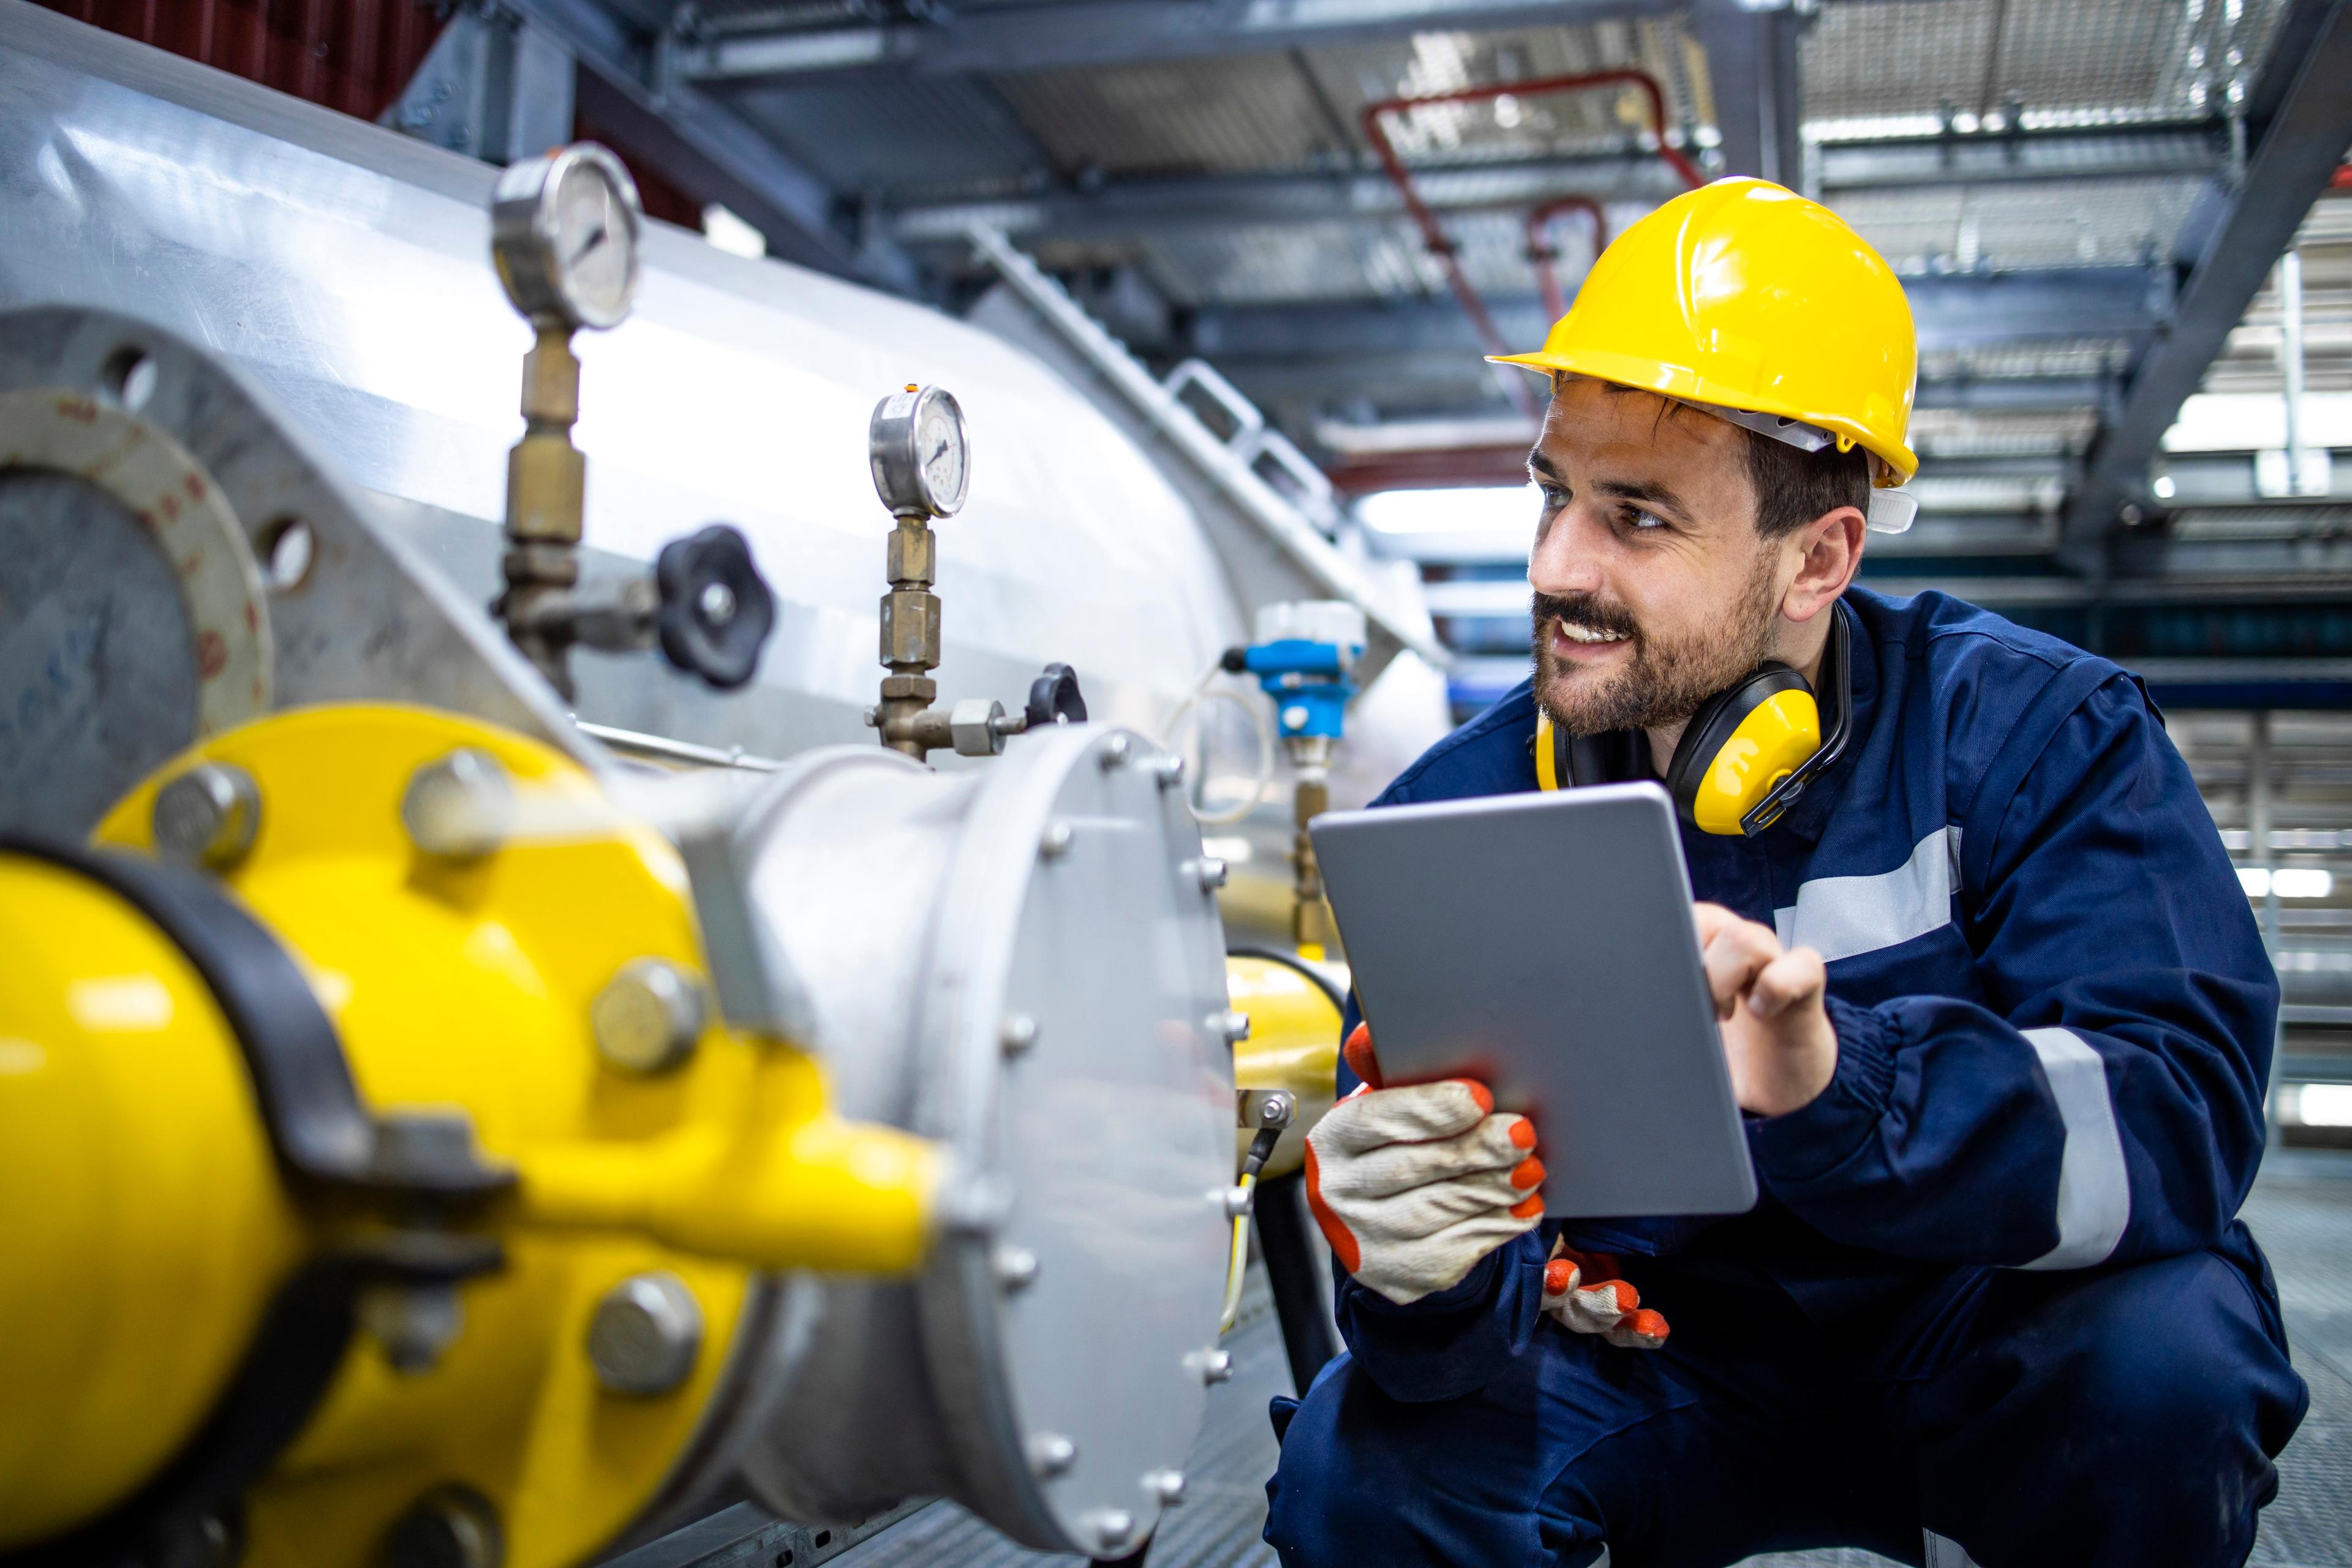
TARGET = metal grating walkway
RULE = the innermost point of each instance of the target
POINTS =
(2301, 1210)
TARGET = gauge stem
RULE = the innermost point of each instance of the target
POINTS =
(546, 487)
(910, 642)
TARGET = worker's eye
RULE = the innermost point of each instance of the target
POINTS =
(1554, 497)
(1641, 522)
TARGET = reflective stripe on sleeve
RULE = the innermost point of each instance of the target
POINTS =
(1845, 917)
(1943, 1551)
(2094, 1188)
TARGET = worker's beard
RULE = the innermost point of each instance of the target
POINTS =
(1664, 681)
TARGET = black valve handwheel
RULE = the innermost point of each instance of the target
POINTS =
(717, 611)
(1054, 697)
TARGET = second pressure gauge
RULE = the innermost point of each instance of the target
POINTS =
(920, 454)
(563, 231)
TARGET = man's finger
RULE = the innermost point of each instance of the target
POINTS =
(1792, 979)
(1733, 957)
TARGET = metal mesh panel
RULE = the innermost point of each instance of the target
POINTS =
(1964, 433)
(1356, 74)
(2000, 361)
(2096, 59)
(2087, 223)
(1257, 111)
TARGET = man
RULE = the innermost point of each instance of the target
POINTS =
(1991, 999)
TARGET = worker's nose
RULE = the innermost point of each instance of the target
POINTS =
(1562, 561)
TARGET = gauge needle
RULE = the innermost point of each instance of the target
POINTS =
(937, 453)
(595, 237)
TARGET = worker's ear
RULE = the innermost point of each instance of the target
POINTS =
(1824, 553)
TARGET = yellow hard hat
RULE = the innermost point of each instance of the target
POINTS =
(1747, 297)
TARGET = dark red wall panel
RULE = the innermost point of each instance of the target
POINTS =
(351, 55)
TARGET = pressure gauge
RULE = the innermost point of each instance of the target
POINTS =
(563, 231)
(920, 453)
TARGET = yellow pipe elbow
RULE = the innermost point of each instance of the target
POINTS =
(821, 1192)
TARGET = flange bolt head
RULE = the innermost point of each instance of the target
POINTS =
(648, 1017)
(209, 815)
(645, 1334)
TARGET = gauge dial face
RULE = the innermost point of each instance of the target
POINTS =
(593, 239)
(939, 451)
(563, 232)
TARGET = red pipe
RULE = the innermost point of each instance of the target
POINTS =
(1434, 235)
(1542, 252)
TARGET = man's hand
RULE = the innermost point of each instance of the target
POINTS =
(1412, 1186)
(1776, 1033)
(1584, 1294)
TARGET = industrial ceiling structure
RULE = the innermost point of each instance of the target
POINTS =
(2089, 203)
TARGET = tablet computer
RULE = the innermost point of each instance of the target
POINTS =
(1543, 945)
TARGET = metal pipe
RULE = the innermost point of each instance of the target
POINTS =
(1434, 235)
(2290, 285)
(2258, 847)
(1542, 252)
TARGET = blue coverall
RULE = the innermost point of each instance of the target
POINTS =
(1994, 1306)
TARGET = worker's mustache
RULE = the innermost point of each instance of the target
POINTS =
(1585, 611)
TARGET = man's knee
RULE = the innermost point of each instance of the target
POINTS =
(2130, 1417)
(2173, 1364)
(1366, 1479)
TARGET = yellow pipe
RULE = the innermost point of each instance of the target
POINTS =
(146, 1228)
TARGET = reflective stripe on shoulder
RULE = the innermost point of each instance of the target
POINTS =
(1845, 917)
(2093, 1186)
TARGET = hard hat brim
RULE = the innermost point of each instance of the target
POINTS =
(1897, 462)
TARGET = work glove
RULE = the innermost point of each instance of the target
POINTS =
(1584, 1294)
(1412, 1186)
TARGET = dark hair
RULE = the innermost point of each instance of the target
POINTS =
(1793, 485)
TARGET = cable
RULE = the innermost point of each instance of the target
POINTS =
(1265, 749)
(1237, 1266)
(1261, 1149)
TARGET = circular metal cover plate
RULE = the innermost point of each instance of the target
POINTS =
(1074, 924)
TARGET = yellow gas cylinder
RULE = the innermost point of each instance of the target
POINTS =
(529, 1238)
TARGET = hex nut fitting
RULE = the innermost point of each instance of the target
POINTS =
(460, 807)
(1016, 1267)
(209, 815)
(1165, 1487)
(645, 1334)
(976, 725)
(1017, 1034)
(648, 1017)
(1055, 841)
(1210, 871)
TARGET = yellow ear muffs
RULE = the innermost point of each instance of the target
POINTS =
(1740, 746)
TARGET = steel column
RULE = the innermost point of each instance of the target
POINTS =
(2305, 121)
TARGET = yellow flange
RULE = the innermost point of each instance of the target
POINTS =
(1294, 1044)
(464, 984)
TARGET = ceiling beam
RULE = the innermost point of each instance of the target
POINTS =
(1751, 63)
(706, 148)
(2295, 146)
(1953, 310)
(1115, 32)
(1151, 208)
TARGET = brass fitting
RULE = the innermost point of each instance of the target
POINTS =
(547, 479)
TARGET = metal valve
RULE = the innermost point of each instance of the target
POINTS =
(918, 449)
